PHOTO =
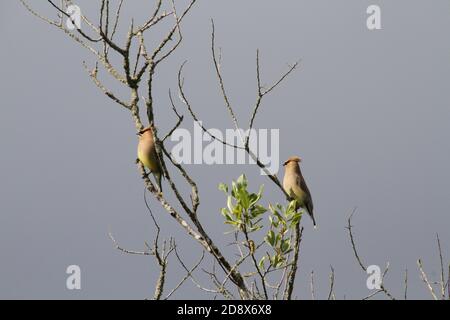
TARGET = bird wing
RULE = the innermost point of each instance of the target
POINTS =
(308, 199)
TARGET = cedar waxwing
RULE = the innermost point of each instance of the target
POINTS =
(147, 154)
(295, 186)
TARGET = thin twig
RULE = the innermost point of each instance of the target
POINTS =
(330, 294)
(255, 263)
(372, 294)
(187, 276)
(442, 280)
(406, 283)
(313, 293)
(349, 227)
(191, 276)
(425, 279)
(261, 92)
(186, 102)
(93, 74)
(118, 247)
(221, 82)
(293, 271)
(73, 22)
(363, 267)
(180, 118)
(448, 282)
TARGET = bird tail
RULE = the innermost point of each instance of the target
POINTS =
(158, 177)
(313, 219)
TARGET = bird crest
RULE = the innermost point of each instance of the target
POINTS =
(292, 159)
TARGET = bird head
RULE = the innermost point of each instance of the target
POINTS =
(294, 160)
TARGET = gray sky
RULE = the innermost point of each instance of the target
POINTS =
(367, 111)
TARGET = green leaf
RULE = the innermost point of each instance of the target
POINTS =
(291, 207)
(277, 239)
(261, 262)
(272, 208)
(285, 245)
(252, 223)
(230, 204)
(254, 198)
(234, 223)
(296, 219)
(237, 211)
(257, 210)
(226, 214)
(234, 189)
(274, 222)
(242, 181)
(260, 192)
(255, 228)
(275, 260)
(279, 216)
(243, 198)
(279, 263)
(223, 187)
(270, 238)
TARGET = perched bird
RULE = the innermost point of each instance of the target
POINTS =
(295, 186)
(147, 154)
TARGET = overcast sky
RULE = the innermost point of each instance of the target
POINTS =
(368, 111)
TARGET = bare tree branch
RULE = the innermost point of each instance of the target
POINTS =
(221, 83)
(73, 22)
(162, 261)
(330, 293)
(186, 102)
(152, 19)
(448, 282)
(203, 239)
(349, 227)
(187, 276)
(170, 34)
(292, 273)
(191, 276)
(255, 263)
(116, 20)
(355, 252)
(93, 74)
(118, 247)
(261, 92)
(425, 279)
(180, 119)
(406, 283)
(312, 287)
(442, 280)
(372, 294)
(134, 66)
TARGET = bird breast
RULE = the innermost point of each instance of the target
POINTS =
(291, 184)
(147, 154)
